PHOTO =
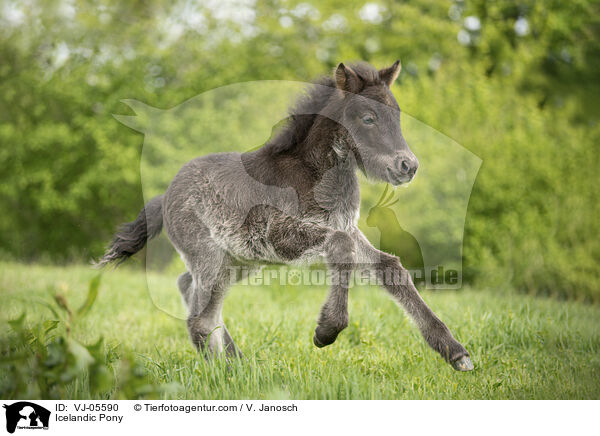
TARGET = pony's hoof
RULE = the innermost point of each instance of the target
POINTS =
(318, 343)
(323, 340)
(321, 343)
(325, 336)
(463, 364)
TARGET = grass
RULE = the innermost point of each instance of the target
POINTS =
(522, 347)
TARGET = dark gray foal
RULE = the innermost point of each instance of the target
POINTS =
(296, 199)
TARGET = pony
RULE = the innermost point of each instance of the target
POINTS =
(294, 200)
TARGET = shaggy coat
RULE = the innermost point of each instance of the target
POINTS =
(296, 199)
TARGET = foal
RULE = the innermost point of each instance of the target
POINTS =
(296, 199)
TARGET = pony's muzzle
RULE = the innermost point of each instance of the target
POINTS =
(404, 169)
(407, 165)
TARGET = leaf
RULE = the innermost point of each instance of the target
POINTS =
(55, 353)
(50, 325)
(17, 324)
(83, 358)
(78, 360)
(91, 296)
(61, 301)
(46, 305)
(97, 349)
(101, 379)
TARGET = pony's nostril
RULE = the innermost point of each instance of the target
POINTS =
(404, 167)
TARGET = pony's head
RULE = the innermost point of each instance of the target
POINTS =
(368, 111)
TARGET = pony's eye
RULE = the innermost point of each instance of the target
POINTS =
(368, 119)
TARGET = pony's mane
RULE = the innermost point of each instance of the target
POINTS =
(303, 113)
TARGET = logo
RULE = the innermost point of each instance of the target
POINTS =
(243, 116)
(26, 415)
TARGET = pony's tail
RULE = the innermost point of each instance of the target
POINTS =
(132, 236)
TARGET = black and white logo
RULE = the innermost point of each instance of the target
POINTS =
(26, 415)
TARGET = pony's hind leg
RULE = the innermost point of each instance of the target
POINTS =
(184, 283)
(204, 294)
(203, 288)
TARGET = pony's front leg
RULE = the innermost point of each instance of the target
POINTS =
(291, 239)
(397, 281)
(333, 318)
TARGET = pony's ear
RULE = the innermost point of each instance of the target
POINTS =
(390, 74)
(346, 79)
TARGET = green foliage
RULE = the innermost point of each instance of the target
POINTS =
(534, 204)
(524, 101)
(44, 360)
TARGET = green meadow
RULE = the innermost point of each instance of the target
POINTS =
(523, 347)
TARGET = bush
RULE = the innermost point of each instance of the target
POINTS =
(534, 205)
(45, 361)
